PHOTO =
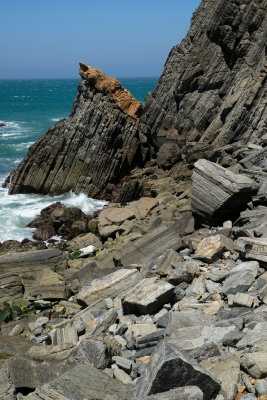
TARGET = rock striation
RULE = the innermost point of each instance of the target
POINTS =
(213, 88)
(92, 150)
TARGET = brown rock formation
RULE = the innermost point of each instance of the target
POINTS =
(111, 86)
(100, 143)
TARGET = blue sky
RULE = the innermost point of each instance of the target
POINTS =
(47, 38)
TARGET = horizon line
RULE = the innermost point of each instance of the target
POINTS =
(77, 78)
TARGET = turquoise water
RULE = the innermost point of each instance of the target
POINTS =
(29, 108)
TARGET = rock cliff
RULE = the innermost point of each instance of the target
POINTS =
(101, 141)
(213, 88)
(212, 93)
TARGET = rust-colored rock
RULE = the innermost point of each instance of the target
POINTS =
(110, 85)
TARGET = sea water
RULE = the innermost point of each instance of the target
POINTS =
(28, 108)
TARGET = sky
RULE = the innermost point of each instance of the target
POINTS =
(125, 38)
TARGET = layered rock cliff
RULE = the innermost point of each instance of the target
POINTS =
(213, 88)
(212, 92)
(101, 141)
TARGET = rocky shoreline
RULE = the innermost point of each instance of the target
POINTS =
(163, 293)
(146, 301)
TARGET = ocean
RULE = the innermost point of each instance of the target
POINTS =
(28, 108)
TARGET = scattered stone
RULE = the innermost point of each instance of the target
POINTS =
(212, 247)
(147, 297)
(170, 368)
(184, 271)
(110, 285)
(123, 363)
(240, 300)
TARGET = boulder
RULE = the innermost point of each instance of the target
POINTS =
(218, 194)
(171, 368)
(110, 285)
(212, 247)
(147, 297)
(150, 246)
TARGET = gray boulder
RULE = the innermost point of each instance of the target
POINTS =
(219, 194)
(171, 368)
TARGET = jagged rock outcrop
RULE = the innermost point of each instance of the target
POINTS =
(213, 88)
(212, 93)
(100, 143)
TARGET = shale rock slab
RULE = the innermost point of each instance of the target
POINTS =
(218, 194)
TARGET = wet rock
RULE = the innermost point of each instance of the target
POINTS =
(170, 368)
(110, 285)
(147, 297)
(219, 194)
(57, 219)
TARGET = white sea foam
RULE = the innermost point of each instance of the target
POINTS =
(55, 119)
(14, 130)
(16, 211)
(22, 146)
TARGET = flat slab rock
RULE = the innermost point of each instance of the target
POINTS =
(170, 368)
(83, 382)
(218, 194)
(147, 296)
(110, 285)
(150, 246)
